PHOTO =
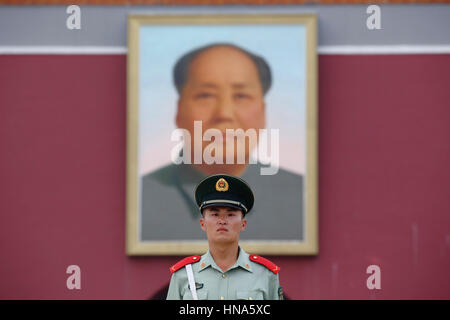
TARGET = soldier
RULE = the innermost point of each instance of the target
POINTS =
(225, 271)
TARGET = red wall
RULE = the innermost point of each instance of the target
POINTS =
(384, 180)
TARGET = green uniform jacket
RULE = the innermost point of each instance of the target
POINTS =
(246, 280)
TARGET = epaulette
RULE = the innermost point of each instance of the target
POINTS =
(180, 264)
(266, 263)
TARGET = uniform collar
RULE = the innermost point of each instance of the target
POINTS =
(243, 262)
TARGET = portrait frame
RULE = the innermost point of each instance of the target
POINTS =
(308, 246)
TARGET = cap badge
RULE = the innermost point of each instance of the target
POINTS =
(221, 185)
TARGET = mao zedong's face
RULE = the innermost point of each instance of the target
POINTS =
(224, 92)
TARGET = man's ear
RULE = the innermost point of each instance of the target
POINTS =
(202, 224)
(264, 110)
(244, 224)
(177, 116)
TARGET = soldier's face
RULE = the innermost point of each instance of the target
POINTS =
(222, 224)
(224, 92)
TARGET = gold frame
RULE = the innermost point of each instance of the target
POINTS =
(310, 245)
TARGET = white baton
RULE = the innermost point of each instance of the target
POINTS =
(190, 276)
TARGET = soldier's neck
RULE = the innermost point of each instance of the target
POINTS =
(224, 255)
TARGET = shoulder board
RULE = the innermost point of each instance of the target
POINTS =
(180, 264)
(266, 263)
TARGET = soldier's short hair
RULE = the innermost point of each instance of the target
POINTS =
(181, 68)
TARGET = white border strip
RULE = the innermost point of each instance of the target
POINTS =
(62, 50)
(384, 49)
(332, 50)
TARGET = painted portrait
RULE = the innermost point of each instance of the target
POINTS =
(222, 95)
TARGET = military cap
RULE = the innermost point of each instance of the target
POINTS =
(224, 190)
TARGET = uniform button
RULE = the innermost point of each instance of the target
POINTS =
(224, 275)
(222, 298)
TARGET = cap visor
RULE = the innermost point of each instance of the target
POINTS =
(223, 204)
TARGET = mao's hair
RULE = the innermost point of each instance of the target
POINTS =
(181, 68)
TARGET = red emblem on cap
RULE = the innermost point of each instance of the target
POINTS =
(222, 185)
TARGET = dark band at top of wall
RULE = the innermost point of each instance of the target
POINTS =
(210, 2)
